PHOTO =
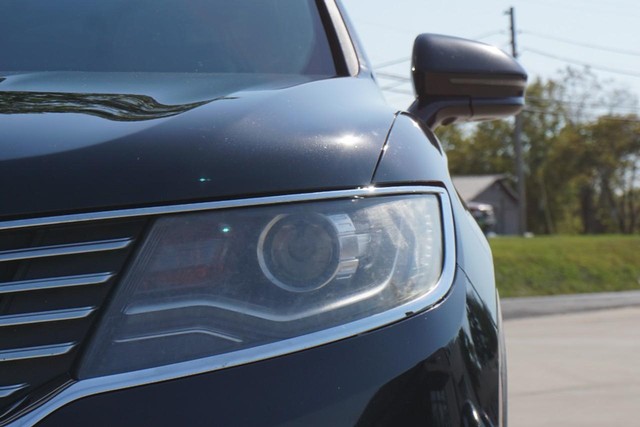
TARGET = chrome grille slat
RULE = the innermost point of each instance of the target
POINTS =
(6, 391)
(46, 316)
(36, 352)
(54, 278)
(53, 283)
(67, 249)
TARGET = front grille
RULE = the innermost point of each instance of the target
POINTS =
(53, 281)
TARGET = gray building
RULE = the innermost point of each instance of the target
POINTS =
(491, 190)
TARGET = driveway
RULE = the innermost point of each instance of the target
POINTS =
(580, 369)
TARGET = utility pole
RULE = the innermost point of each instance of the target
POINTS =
(517, 140)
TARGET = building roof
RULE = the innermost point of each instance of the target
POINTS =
(470, 186)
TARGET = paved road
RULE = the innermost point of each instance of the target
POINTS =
(544, 306)
(580, 369)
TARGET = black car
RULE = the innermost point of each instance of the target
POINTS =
(210, 216)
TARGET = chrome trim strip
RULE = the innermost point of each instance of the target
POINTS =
(61, 250)
(92, 386)
(36, 352)
(203, 206)
(46, 316)
(192, 331)
(7, 391)
(54, 282)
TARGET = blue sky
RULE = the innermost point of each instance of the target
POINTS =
(583, 31)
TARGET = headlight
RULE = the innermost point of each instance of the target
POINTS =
(247, 283)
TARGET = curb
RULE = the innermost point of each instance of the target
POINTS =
(516, 308)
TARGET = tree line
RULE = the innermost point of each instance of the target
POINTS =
(581, 148)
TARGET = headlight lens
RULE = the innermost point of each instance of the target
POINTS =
(228, 281)
(304, 252)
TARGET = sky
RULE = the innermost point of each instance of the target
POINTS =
(552, 34)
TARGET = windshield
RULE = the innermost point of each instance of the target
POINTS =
(191, 36)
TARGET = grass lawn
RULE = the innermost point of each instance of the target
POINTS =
(566, 264)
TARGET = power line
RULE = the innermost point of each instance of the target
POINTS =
(634, 110)
(400, 80)
(553, 113)
(603, 118)
(582, 63)
(392, 62)
(391, 86)
(395, 88)
(393, 76)
(582, 44)
(529, 109)
(620, 12)
(606, 117)
(488, 34)
(399, 91)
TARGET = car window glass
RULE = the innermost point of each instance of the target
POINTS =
(239, 36)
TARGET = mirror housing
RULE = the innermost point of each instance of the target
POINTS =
(462, 80)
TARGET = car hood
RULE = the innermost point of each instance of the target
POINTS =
(74, 142)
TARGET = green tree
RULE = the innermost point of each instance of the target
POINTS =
(485, 150)
(582, 158)
(614, 142)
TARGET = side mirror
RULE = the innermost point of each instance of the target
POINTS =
(463, 80)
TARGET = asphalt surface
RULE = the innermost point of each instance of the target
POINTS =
(562, 304)
(576, 369)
